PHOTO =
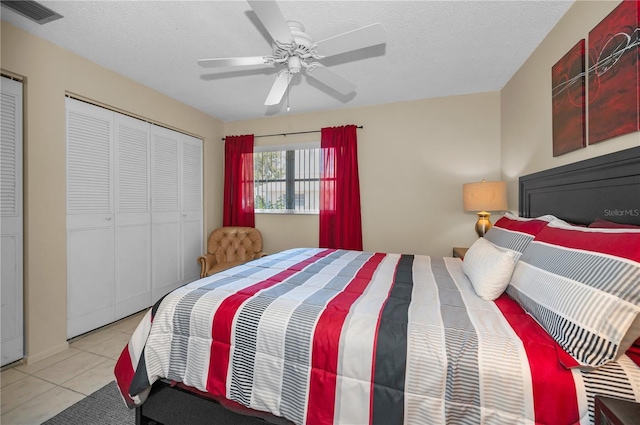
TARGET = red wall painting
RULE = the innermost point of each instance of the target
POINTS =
(614, 73)
(568, 96)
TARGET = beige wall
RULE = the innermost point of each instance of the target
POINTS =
(526, 103)
(413, 159)
(49, 72)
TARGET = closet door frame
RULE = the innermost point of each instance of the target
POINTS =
(12, 227)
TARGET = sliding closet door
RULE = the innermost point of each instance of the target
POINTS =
(133, 216)
(192, 246)
(11, 236)
(165, 211)
(90, 218)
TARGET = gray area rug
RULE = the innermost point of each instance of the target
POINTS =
(104, 406)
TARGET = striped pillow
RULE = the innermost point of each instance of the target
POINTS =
(514, 233)
(583, 286)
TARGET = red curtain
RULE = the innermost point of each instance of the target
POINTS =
(238, 181)
(340, 221)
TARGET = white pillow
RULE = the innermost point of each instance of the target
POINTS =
(489, 268)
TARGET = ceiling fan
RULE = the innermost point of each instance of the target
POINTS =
(295, 50)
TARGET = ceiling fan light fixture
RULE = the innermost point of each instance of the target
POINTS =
(294, 64)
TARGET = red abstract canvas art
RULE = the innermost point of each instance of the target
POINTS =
(568, 96)
(614, 74)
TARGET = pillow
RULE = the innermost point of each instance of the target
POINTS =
(600, 223)
(583, 286)
(514, 233)
(488, 268)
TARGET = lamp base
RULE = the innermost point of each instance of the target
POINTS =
(483, 224)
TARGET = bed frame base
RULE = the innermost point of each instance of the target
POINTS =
(169, 405)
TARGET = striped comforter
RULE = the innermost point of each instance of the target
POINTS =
(343, 337)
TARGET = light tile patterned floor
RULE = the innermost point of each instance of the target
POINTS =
(33, 393)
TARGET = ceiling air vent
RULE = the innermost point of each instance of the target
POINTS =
(32, 10)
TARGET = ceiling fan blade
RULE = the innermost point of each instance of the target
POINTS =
(331, 79)
(353, 40)
(278, 89)
(227, 62)
(269, 14)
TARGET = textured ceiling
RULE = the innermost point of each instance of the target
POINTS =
(433, 49)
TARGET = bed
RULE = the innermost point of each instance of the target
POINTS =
(321, 336)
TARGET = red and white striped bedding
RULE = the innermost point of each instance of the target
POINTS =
(344, 337)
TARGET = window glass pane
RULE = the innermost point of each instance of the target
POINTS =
(281, 172)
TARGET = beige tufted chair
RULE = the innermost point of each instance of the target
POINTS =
(230, 246)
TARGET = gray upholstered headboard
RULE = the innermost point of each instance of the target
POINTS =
(606, 187)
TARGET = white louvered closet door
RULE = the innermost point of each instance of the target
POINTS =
(11, 222)
(165, 211)
(192, 246)
(133, 216)
(90, 217)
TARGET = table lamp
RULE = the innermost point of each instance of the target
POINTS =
(483, 197)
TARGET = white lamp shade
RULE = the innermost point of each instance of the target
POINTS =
(485, 196)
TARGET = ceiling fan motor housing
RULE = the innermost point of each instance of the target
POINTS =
(297, 54)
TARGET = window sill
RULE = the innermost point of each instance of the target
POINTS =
(287, 212)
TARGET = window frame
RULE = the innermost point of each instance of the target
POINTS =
(289, 179)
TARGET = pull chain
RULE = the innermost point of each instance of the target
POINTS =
(288, 86)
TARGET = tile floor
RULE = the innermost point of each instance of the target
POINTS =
(33, 393)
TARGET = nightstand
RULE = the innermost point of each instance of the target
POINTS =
(616, 411)
(459, 252)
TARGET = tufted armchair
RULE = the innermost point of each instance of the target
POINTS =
(230, 246)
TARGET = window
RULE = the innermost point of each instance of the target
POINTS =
(287, 179)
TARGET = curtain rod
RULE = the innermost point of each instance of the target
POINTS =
(288, 134)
